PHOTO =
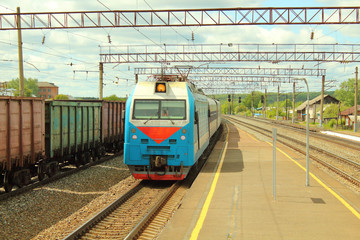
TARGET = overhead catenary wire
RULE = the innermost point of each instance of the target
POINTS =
(170, 26)
(132, 26)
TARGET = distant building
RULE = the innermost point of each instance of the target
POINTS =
(314, 108)
(47, 90)
(348, 116)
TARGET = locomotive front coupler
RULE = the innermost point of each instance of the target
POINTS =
(158, 162)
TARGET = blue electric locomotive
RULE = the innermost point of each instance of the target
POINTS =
(168, 125)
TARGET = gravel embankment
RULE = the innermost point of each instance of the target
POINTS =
(27, 215)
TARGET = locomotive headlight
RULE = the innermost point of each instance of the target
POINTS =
(134, 137)
(133, 130)
(182, 137)
(183, 131)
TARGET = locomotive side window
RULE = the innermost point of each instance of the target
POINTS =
(159, 109)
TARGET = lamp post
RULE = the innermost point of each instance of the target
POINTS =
(307, 131)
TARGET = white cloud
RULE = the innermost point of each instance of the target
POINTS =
(342, 3)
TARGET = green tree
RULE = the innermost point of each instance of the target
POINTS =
(332, 110)
(61, 97)
(256, 100)
(114, 98)
(346, 93)
(30, 86)
(240, 109)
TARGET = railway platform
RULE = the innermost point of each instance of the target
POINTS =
(232, 198)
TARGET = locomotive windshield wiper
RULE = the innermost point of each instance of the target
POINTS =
(151, 118)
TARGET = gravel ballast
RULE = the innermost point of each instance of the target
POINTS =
(27, 215)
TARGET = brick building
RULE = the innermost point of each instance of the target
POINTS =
(47, 90)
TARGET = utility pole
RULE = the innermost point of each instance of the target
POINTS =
(356, 99)
(20, 53)
(101, 80)
(136, 78)
(265, 100)
(252, 103)
(286, 116)
(293, 116)
(322, 101)
(277, 107)
(232, 104)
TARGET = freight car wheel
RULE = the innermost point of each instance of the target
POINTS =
(41, 171)
(82, 159)
(94, 157)
(53, 169)
(87, 157)
(21, 178)
(102, 151)
(8, 185)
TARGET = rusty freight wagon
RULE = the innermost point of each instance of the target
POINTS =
(22, 142)
(40, 136)
(113, 125)
(73, 131)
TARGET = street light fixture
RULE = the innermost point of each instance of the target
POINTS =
(307, 131)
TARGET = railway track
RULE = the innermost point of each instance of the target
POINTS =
(314, 132)
(122, 220)
(64, 173)
(288, 141)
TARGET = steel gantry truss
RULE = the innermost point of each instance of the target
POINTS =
(182, 17)
(225, 88)
(248, 79)
(259, 71)
(274, 53)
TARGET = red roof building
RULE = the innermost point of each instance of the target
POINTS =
(348, 116)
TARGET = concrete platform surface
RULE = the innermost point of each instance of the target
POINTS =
(232, 198)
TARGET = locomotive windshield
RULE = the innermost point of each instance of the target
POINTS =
(159, 109)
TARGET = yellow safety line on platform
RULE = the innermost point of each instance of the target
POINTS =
(252, 137)
(205, 208)
(337, 196)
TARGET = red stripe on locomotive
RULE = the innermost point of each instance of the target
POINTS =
(159, 134)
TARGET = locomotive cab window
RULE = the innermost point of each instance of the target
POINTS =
(159, 109)
(146, 109)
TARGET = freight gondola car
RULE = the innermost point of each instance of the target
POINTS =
(22, 142)
(112, 130)
(168, 125)
(73, 131)
(39, 136)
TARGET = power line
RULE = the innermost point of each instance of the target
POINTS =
(170, 26)
(50, 54)
(132, 26)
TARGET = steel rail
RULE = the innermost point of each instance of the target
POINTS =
(286, 143)
(314, 132)
(35, 184)
(102, 214)
(160, 213)
(146, 220)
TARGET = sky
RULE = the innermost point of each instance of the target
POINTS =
(69, 58)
